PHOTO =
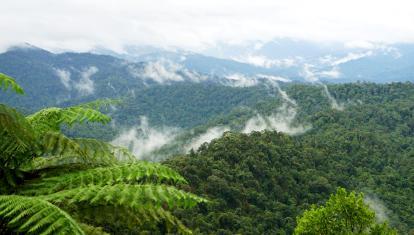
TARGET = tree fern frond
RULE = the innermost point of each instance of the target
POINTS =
(130, 196)
(57, 144)
(15, 131)
(59, 151)
(145, 219)
(36, 216)
(133, 173)
(101, 151)
(7, 82)
(55, 149)
(50, 119)
(82, 114)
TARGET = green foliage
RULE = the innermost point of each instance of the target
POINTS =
(126, 195)
(73, 175)
(50, 119)
(257, 183)
(133, 173)
(7, 82)
(36, 216)
(343, 213)
(17, 135)
(266, 181)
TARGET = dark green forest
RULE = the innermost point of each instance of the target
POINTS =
(261, 182)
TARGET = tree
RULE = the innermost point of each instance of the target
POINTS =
(343, 213)
(53, 184)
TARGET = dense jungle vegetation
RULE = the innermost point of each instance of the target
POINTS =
(260, 182)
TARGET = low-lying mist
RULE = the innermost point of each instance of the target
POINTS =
(143, 140)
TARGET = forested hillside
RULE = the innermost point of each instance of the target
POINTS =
(259, 182)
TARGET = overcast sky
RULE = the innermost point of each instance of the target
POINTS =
(196, 25)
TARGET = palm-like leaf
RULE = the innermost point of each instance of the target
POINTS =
(133, 173)
(145, 218)
(15, 132)
(7, 82)
(59, 151)
(50, 119)
(17, 145)
(130, 196)
(36, 216)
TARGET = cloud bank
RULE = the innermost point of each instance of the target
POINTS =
(282, 120)
(82, 25)
(165, 71)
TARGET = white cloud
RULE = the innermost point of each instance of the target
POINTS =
(333, 73)
(64, 77)
(381, 211)
(240, 80)
(352, 56)
(85, 86)
(83, 24)
(164, 71)
(334, 104)
(143, 140)
(209, 135)
(312, 76)
(273, 78)
(282, 120)
(308, 74)
(262, 61)
(359, 44)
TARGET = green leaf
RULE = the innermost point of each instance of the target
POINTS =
(7, 82)
(132, 173)
(36, 216)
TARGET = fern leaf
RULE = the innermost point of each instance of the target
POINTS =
(50, 119)
(145, 219)
(99, 151)
(36, 216)
(130, 196)
(55, 143)
(133, 173)
(7, 82)
(15, 131)
(60, 151)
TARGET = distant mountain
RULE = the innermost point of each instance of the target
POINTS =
(208, 65)
(76, 77)
(65, 76)
(51, 79)
(294, 60)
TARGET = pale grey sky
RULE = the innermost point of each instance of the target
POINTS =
(81, 25)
